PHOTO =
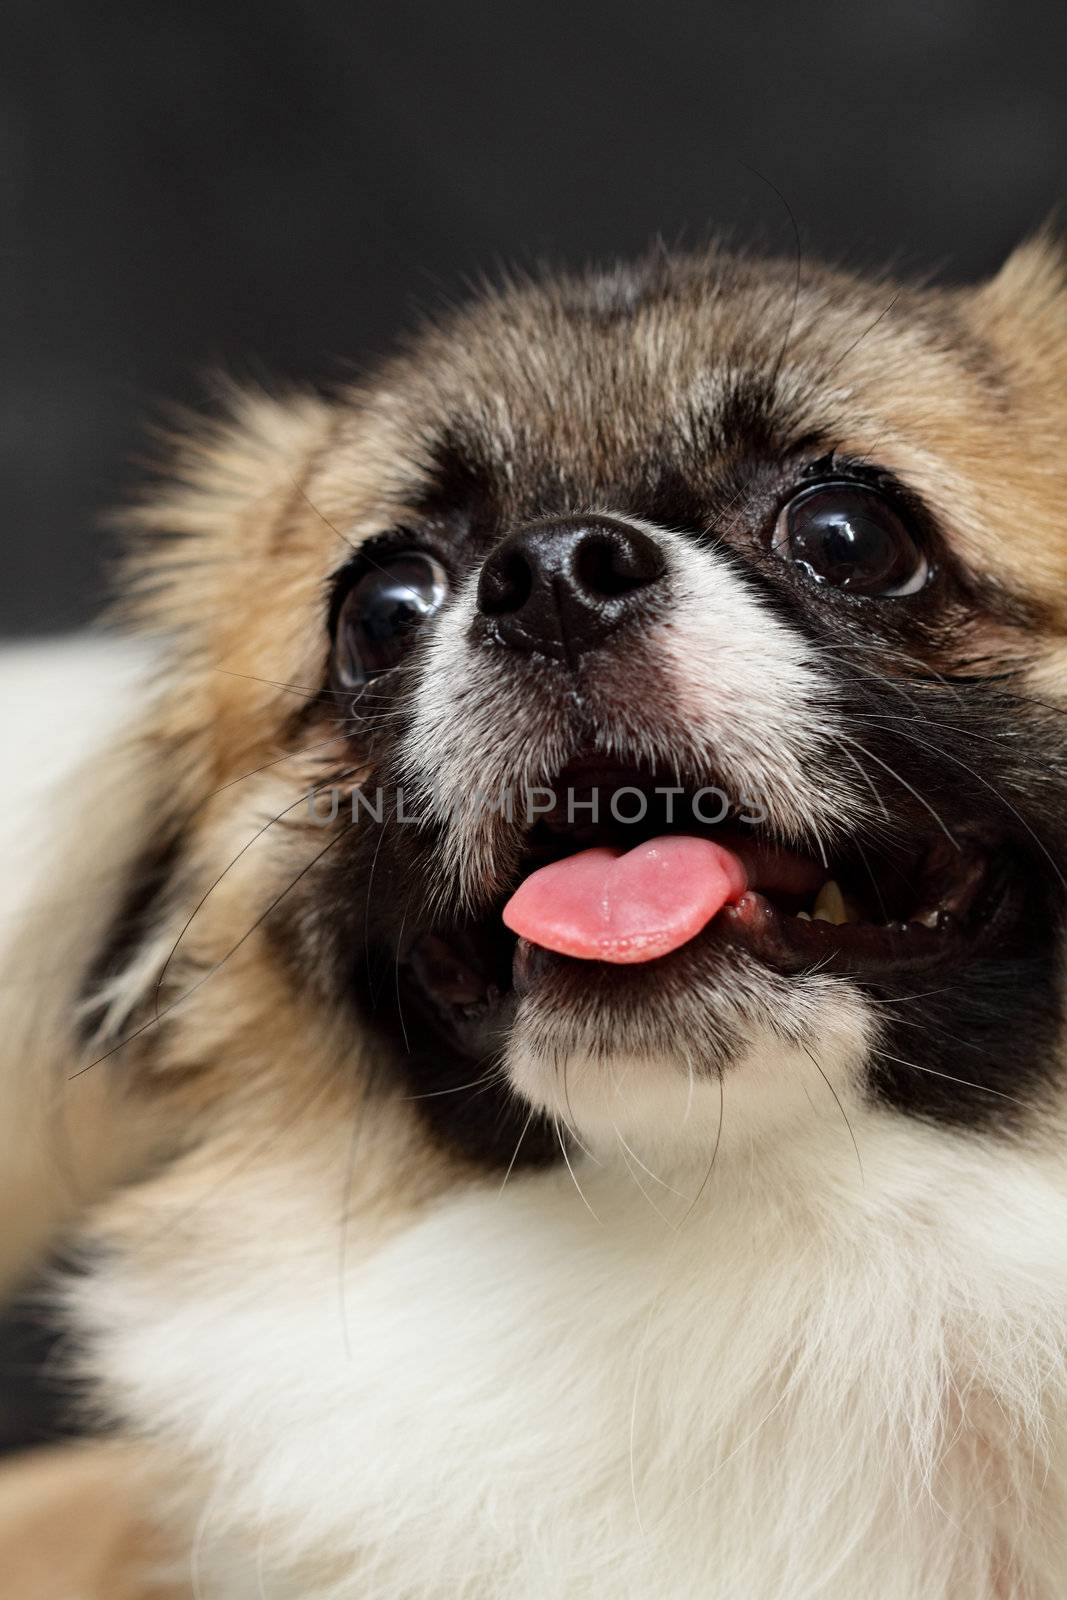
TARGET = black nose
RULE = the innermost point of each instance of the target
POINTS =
(559, 587)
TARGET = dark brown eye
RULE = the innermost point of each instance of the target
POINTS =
(849, 537)
(380, 613)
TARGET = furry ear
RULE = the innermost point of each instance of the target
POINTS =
(1023, 309)
(217, 571)
(1034, 277)
(197, 535)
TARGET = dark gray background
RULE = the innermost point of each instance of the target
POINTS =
(272, 188)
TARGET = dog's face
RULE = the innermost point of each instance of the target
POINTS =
(727, 602)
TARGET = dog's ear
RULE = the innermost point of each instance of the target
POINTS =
(1018, 320)
(226, 554)
(226, 488)
(1034, 277)
(1022, 311)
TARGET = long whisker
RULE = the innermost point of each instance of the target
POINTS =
(653, 1175)
(714, 1153)
(907, 999)
(357, 550)
(879, 719)
(968, 1083)
(869, 329)
(956, 761)
(912, 791)
(851, 1131)
(736, 1451)
(351, 697)
(865, 775)
(875, 886)
(635, 1179)
(570, 1169)
(798, 253)
(569, 1120)
(300, 800)
(515, 1153)
(346, 1208)
(274, 683)
(396, 979)
(180, 1000)
(366, 910)
(290, 755)
(956, 1040)
(493, 1074)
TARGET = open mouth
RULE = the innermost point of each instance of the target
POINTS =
(929, 899)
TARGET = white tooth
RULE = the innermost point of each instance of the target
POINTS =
(928, 919)
(804, 916)
(830, 904)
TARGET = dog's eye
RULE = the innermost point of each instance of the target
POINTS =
(381, 611)
(850, 537)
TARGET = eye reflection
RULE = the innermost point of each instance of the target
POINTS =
(381, 612)
(849, 537)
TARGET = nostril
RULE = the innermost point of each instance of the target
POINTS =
(505, 584)
(608, 564)
(560, 586)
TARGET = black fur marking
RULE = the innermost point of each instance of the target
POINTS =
(975, 1053)
(461, 1097)
(364, 912)
(40, 1401)
(976, 1044)
(459, 484)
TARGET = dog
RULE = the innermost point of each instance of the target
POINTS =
(549, 1037)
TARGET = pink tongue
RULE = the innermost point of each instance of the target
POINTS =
(603, 905)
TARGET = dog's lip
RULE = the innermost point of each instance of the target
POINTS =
(963, 896)
(861, 949)
(790, 945)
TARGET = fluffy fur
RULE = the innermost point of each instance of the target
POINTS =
(785, 1319)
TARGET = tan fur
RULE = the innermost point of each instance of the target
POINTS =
(74, 1526)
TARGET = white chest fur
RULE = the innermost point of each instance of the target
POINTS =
(808, 1383)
